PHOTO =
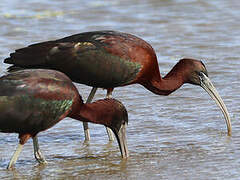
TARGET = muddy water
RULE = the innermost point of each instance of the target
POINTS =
(182, 136)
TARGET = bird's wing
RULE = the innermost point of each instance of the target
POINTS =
(95, 59)
(40, 54)
(31, 100)
(35, 55)
(34, 82)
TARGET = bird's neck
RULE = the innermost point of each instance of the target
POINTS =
(168, 84)
(91, 112)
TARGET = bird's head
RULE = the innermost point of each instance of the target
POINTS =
(112, 114)
(108, 112)
(118, 124)
(192, 70)
(195, 72)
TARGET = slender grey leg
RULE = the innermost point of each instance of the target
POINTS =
(37, 153)
(109, 131)
(85, 124)
(15, 156)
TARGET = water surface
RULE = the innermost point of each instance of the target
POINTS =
(182, 136)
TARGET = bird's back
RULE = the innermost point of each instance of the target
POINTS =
(34, 100)
(101, 59)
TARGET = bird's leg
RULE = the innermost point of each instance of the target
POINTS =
(85, 124)
(15, 156)
(109, 131)
(37, 153)
(23, 138)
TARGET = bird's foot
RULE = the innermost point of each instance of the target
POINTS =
(39, 157)
(10, 167)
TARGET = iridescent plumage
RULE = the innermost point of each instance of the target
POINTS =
(110, 59)
(32, 101)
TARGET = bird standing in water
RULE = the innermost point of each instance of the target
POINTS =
(109, 59)
(32, 101)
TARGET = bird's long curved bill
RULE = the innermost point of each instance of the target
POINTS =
(122, 141)
(207, 85)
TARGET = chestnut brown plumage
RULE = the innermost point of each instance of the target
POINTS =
(32, 101)
(110, 59)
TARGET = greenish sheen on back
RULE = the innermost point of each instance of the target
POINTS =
(26, 112)
(99, 68)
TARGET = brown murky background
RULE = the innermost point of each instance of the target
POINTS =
(182, 136)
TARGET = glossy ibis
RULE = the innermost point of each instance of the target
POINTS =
(32, 101)
(109, 59)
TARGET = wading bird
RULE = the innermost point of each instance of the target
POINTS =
(32, 101)
(109, 59)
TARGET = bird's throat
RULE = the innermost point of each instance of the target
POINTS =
(164, 86)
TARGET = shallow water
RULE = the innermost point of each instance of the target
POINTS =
(182, 136)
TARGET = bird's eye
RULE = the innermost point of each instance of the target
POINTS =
(202, 76)
(203, 73)
(200, 73)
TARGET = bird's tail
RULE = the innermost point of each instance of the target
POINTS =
(33, 56)
(14, 68)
